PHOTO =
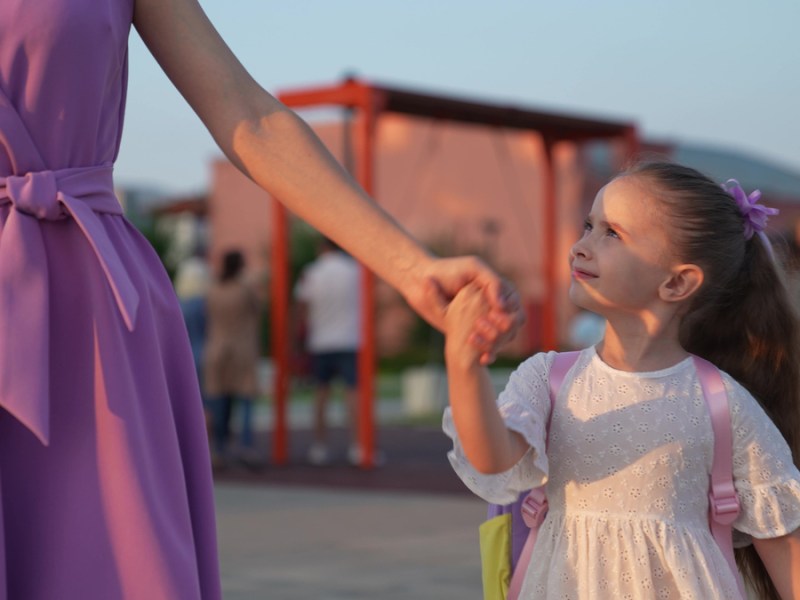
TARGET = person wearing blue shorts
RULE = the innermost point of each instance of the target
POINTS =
(329, 294)
(327, 366)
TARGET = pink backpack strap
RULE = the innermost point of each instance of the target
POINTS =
(562, 363)
(722, 499)
(534, 507)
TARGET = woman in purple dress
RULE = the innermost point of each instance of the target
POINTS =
(105, 485)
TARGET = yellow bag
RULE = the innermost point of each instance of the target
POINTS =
(511, 529)
(495, 540)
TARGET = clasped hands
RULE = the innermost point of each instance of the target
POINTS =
(494, 316)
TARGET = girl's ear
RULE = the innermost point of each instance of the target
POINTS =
(684, 281)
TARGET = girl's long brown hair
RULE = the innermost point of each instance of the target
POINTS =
(742, 319)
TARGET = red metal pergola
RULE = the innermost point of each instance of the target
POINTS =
(369, 102)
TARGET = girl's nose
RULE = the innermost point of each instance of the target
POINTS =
(579, 249)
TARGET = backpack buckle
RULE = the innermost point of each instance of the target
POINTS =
(534, 508)
(724, 509)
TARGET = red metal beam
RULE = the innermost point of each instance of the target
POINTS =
(348, 93)
(559, 126)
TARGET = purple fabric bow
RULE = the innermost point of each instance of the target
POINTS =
(755, 214)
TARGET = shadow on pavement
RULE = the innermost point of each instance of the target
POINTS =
(415, 460)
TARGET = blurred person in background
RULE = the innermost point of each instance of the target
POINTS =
(192, 282)
(231, 356)
(586, 329)
(329, 299)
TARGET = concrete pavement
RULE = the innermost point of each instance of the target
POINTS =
(303, 533)
(301, 543)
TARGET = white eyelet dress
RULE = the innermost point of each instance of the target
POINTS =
(627, 476)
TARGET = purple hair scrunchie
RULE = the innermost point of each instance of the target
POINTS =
(755, 215)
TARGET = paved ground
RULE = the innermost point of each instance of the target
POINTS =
(415, 460)
(303, 543)
(406, 530)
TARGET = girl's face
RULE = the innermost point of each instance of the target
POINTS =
(625, 252)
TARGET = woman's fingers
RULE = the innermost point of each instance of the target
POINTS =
(495, 328)
(502, 312)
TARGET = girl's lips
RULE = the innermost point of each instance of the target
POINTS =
(579, 274)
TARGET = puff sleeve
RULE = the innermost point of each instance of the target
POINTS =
(524, 405)
(766, 479)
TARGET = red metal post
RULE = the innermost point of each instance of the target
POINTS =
(279, 287)
(550, 220)
(365, 135)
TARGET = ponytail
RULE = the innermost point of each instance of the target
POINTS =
(742, 319)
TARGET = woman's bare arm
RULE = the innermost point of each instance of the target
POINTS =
(267, 141)
(279, 151)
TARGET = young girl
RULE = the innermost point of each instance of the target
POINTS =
(677, 265)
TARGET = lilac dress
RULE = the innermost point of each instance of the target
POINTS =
(105, 485)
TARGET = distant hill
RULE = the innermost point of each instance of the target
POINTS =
(719, 164)
(750, 171)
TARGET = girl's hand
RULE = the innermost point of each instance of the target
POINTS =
(443, 278)
(470, 306)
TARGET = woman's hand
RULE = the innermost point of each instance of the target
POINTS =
(439, 282)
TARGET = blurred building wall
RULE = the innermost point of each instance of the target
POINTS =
(461, 189)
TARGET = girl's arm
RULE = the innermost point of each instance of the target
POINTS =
(489, 446)
(781, 557)
(278, 151)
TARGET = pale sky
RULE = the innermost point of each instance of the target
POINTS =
(724, 73)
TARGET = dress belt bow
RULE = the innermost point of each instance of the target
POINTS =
(80, 194)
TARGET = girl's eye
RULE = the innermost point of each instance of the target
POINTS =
(587, 226)
(611, 233)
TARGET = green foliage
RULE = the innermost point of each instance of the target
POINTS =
(303, 243)
(160, 242)
(413, 356)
